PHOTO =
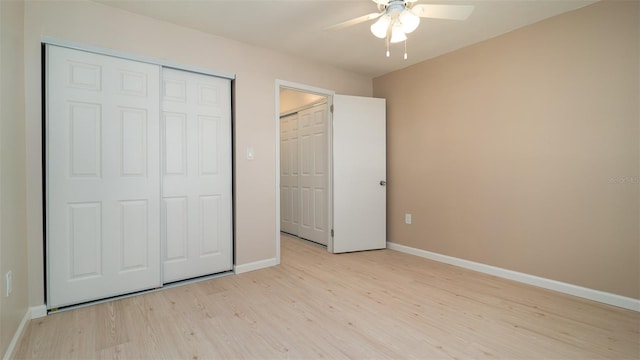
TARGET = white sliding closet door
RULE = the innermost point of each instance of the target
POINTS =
(103, 177)
(313, 178)
(289, 190)
(196, 182)
(304, 174)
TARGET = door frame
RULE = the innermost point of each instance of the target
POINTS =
(314, 90)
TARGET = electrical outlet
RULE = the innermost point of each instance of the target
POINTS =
(9, 282)
(407, 219)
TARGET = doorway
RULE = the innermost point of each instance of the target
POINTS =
(356, 170)
(293, 98)
(304, 165)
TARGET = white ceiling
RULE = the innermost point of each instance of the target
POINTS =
(297, 27)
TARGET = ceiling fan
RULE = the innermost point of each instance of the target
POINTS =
(397, 18)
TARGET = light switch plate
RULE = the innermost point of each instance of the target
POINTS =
(250, 153)
(9, 282)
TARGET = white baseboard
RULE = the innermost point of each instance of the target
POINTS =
(38, 311)
(591, 294)
(257, 265)
(16, 336)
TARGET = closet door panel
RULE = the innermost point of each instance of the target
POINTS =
(196, 183)
(313, 178)
(102, 176)
(289, 190)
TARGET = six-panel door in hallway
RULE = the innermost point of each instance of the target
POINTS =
(314, 173)
(289, 172)
(196, 180)
(304, 174)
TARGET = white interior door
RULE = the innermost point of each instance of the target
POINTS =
(196, 182)
(102, 176)
(313, 177)
(289, 190)
(359, 174)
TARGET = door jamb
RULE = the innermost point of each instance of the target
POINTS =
(315, 90)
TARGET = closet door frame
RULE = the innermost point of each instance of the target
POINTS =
(46, 40)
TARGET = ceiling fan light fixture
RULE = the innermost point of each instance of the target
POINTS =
(397, 35)
(379, 28)
(397, 18)
(409, 21)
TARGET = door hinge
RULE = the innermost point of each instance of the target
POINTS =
(331, 108)
(331, 232)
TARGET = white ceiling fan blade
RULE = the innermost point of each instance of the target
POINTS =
(355, 21)
(450, 12)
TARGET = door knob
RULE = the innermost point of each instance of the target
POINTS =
(383, 183)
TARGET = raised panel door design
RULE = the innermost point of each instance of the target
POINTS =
(320, 213)
(87, 76)
(306, 154)
(135, 235)
(134, 142)
(174, 90)
(288, 174)
(294, 163)
(285, 169)
(85, 240)
(175, 220)
(285, 207)
(85, 143)
(285, 172)
(209, 95)
(133, 83)
(209, 220)
(307, 208)
(295, 208)
(208, 149)
(102, 176)
(175, 143)
(313, 178)
(198, 171)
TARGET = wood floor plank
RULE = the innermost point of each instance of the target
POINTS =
(374, 304)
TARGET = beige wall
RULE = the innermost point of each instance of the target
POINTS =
(255, 109)
(13, 234)
(522, 151)
(292, 100)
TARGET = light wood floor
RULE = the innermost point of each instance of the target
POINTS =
(376, 304)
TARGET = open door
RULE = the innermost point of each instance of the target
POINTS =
(359, 174)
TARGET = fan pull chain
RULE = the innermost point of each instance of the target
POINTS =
(388, 53)
(405, 49)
